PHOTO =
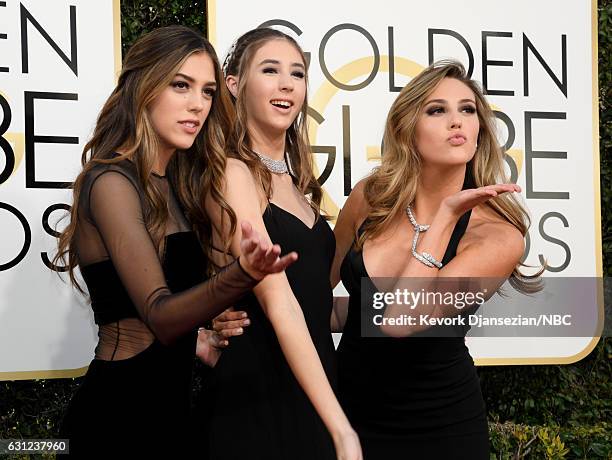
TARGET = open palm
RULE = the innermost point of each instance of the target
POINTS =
(461, 202)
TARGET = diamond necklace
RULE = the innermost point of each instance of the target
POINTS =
(417, 227)
(425, 257)
(274, 166)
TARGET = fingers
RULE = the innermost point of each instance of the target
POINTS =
(503, 188)
(489, 191)
(260, 256)
(217, 340)
(283, 262)
(230, 332)
(265, 259)
(230, 323)
(247, 229)
(250, 245)
(230, 315)
(255, 249)
(210, 339)
(272, 255)
(220, 326)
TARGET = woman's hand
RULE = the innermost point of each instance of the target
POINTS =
(347, 445)
(230, 323)
(211, 343)
(209, 346)
(260, 258)
(461, 202)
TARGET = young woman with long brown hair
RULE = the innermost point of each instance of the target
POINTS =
(269, 395)
(156, 150)
(439, 206)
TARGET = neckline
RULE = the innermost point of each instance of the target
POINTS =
(457, 234)
(295, 217)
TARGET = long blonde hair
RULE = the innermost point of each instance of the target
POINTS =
(393, 185)
(124, 124)
(298, 152)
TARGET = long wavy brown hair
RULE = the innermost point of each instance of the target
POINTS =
(124, 125)
(393, 185)
(297, 147)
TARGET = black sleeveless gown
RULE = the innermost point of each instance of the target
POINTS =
(410, 398)
(252, 404)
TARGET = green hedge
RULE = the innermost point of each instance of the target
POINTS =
(605, 128)
(539, 412)
(138, 16)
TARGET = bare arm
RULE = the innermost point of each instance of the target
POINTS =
(351, 216)
(280, 305)
(339, 313)
(484, 264)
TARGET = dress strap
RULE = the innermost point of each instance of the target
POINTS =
(451, 249)
(458, 232)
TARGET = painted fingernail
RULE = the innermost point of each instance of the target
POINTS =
(239, 330)
(243, 315)
(246, 322)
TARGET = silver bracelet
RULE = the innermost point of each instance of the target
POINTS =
(431, 259)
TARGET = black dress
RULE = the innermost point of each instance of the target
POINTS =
(140, 405)
(253, 406)
(410, 398)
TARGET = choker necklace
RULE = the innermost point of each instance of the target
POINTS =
(274, 166)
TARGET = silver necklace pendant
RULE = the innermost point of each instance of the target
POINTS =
(274, 166)
(417, 227)
(424, 257)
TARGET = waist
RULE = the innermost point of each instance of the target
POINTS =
(406, 364)
(390, 394)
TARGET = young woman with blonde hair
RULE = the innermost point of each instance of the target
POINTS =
(439, 206)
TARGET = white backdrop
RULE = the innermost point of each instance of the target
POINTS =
(58, 61)
(540, 64)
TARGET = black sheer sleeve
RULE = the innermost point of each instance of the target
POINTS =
(115, 210)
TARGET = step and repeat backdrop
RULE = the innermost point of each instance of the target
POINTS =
(58, 64)
(536, 61)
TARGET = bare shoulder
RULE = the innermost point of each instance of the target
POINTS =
(489, 231)
(359, 187)
(237, 170)
(241, 185)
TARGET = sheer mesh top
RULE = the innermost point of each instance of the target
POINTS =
(129, 288)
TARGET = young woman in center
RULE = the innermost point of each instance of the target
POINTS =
(269, 395)
(437, 207)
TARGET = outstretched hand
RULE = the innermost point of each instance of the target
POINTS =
(260, 258)
(461, 202)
